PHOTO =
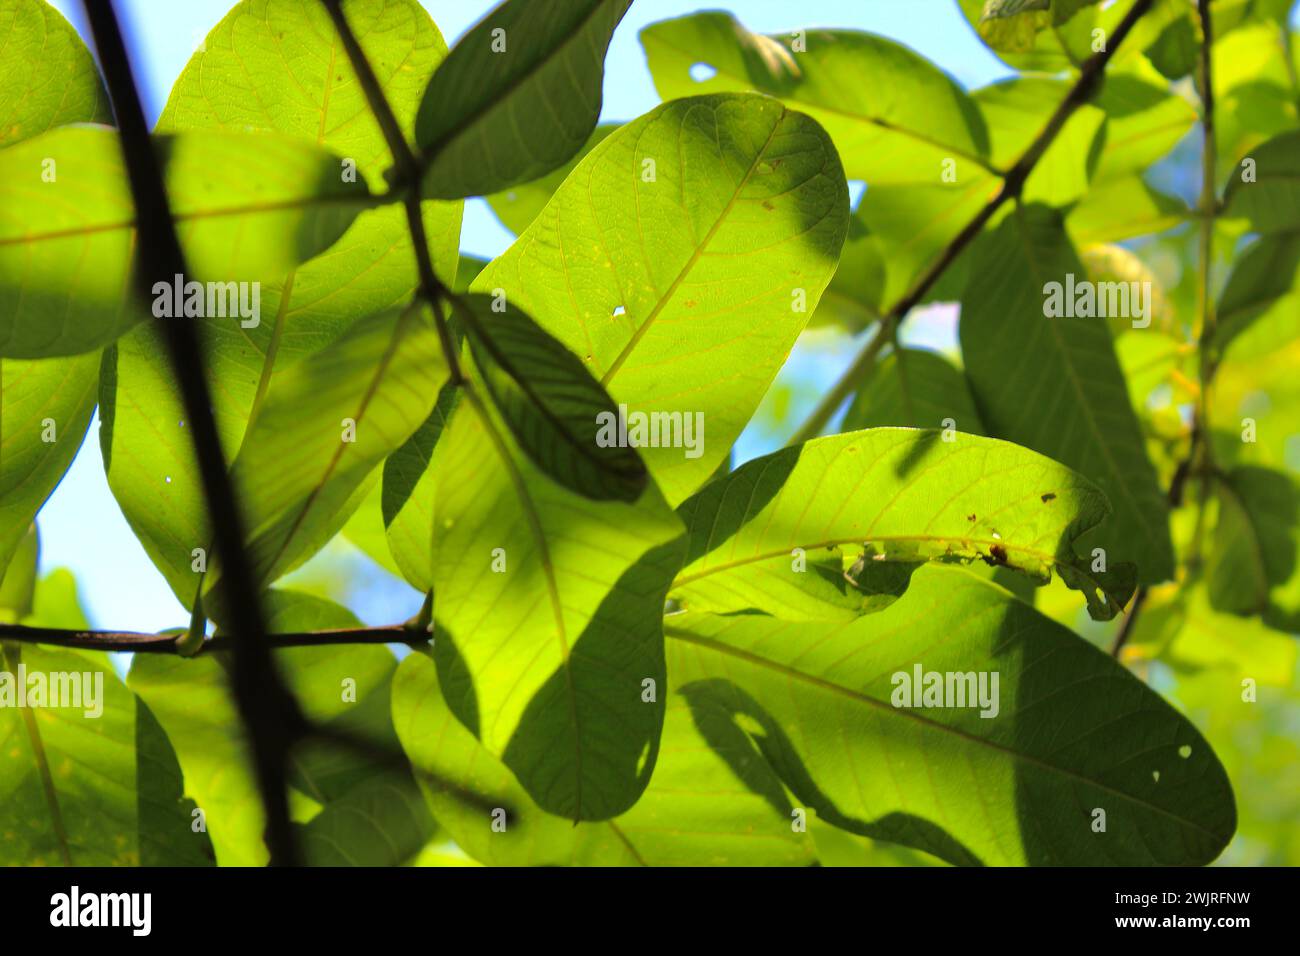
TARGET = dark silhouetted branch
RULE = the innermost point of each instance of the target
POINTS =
(268, 710)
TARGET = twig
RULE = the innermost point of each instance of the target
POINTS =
(408, 181)
(1089, 78)
(1130, 621)
(269, 711)
(136, 642)
(1200, 454)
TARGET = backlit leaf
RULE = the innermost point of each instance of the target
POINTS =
(1012, 779)
(550, 401)
(45, 408)
(247, 209)
(692, 319)
(326, 424)
(1053, 383)
(546, 649)
(517, 97)
(279, 67)
(894, 116)
(890, 495)
(47, 76)
(712, 801)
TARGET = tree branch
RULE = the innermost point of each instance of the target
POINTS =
(1130, 621)
(432, 289)
(268, 710)
(1090, 76)
(1200, 455)
(136, 642)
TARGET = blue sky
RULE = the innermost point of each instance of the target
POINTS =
(82, 527)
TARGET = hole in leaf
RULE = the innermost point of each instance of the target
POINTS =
(619, 310)
(703, 72)
(1184, 751)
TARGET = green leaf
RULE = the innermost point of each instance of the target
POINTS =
(917, 388)
(247, 207)
(382, 822)
(1256, 395)
(192, 701)
(553, 406)
(891, 495)
(914, 224)
(326, 425)
(712, 801)
(1035, 40)
(408, 494)
(467, 270)
(912, 227)
(242, 78)
(57, 604)
(1012, 25)
(365, 529)
(45, 408)
(82, 783)
(1054, 384)
(1041, 764)
(167, 820)
(1016, 110)
(1144, 122)
(1123, 208)
(1177, 50)
(1271, 202)
(1254, 565)
(518, 206)
(281, 67)
(695, 316)
(1109, 263)
(517, 97)
(547, 648)
(853, 300)
(1264, 288)
(18, 576)
(47, 76)
(1254, 95)
(895, 117)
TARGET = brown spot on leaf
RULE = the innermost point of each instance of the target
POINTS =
(970, 517)
(1050, 496)
(997, 556)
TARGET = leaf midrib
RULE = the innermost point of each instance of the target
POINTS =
(695, 256)
(548, 571)
(307, 202)
(1043, 556)
(792, 673)
(11, 659)
(371, 388)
